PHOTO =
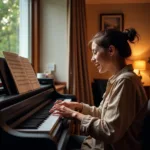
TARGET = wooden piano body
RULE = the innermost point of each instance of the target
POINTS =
(25, 121)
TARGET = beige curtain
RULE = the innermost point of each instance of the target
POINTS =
(79, 81)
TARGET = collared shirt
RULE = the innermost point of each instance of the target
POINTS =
(116, 124)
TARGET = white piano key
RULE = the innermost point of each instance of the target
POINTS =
(67, 100)
(49, 124)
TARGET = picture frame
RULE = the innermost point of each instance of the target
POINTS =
(115, 21)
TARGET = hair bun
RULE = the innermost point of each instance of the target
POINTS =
(131, 34)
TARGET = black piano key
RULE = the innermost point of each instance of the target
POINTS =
(37, 119)
(28, 127)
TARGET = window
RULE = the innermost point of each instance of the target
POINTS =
(15, 27)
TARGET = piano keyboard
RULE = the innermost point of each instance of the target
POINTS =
(42, 121)
(36, 120)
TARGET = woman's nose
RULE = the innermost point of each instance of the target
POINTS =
(92, 59)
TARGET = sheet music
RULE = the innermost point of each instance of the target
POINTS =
(30, 73)
(18, 72)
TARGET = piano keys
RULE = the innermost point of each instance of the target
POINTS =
(25, 121)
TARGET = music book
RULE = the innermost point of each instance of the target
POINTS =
(22, 72)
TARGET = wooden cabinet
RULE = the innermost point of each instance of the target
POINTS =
(60, 87)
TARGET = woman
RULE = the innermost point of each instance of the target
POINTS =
(116, 124)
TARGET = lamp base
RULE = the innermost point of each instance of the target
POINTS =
(140, 77)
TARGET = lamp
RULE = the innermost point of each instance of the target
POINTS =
(138, 66)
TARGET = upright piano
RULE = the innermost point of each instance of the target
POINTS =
(25, 121)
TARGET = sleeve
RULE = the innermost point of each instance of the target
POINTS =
(119, 115)
(92, 110)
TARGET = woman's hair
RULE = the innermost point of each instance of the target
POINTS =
(118, 39)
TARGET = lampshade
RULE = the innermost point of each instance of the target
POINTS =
(139, 64)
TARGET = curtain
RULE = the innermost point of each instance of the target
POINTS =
(79, 81)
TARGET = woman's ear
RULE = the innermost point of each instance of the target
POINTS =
(111, 50)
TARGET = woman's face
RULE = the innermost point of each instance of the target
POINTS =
(100, 58)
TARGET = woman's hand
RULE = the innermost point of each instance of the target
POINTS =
(62, 111)
(66, 112)
(72, 105)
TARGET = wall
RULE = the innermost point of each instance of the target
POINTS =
(135, 15)
(53, 25)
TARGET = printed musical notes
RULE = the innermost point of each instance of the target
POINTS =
(22, 72)
(30, 73)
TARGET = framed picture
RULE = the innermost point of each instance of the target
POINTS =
(109, 21)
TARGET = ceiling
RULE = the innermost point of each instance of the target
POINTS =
(115, 1)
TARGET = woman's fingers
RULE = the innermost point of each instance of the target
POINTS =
(58, 101)
(61, 111)
(66, 104)
(53, 109)
(57, 113)
(56, 107)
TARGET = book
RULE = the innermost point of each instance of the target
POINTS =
(22, 72)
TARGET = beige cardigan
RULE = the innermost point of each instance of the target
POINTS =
(116, 123)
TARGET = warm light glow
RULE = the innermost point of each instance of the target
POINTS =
(139, 64)
(136, 71)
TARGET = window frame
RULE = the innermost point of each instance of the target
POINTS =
(35, 48)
